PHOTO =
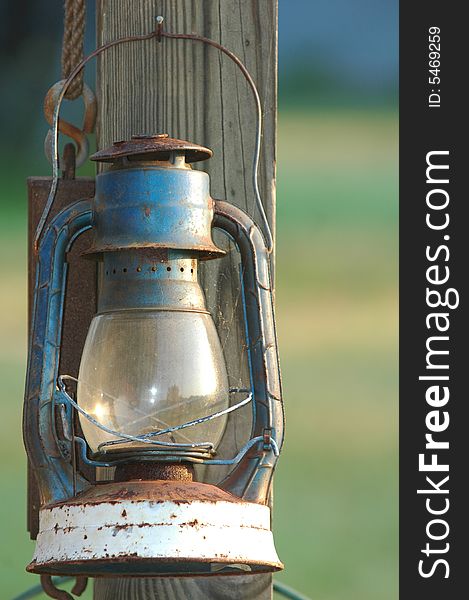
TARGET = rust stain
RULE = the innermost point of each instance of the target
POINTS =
(152, 147)
(159, 491)
(193, 523)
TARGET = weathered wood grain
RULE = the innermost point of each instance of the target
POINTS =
(193, 92)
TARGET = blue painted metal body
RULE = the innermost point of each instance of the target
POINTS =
(153, 206)
(49, 458)
(151, 225)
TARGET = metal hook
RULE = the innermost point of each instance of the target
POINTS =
(53, 592)
(68, 129)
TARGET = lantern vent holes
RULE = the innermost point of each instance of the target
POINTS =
(118, 269)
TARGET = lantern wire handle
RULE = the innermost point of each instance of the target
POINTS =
(257, 99)
(158, 33)
(147, 437)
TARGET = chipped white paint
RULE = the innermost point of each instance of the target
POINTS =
(222, 532)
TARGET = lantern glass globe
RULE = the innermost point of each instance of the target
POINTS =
(143, 371)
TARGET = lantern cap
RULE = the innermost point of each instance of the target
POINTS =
(152, 147)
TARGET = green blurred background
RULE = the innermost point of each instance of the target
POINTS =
(336, 486)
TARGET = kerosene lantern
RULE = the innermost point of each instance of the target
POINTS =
(152, 391)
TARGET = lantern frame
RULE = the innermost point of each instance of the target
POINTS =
(49, 410)
(47, 403)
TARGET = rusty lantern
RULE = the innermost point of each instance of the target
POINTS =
(152, 392)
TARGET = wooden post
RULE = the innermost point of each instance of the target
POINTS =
(192, 92)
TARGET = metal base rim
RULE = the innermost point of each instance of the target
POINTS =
(127, 568)
(160, 528)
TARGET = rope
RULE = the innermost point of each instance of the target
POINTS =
(72, 45)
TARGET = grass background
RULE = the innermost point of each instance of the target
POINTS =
(336, 487)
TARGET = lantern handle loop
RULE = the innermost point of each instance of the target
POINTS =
(158, 33)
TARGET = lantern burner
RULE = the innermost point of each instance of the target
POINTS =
(154, 471)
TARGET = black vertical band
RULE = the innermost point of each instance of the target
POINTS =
(434, 323)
